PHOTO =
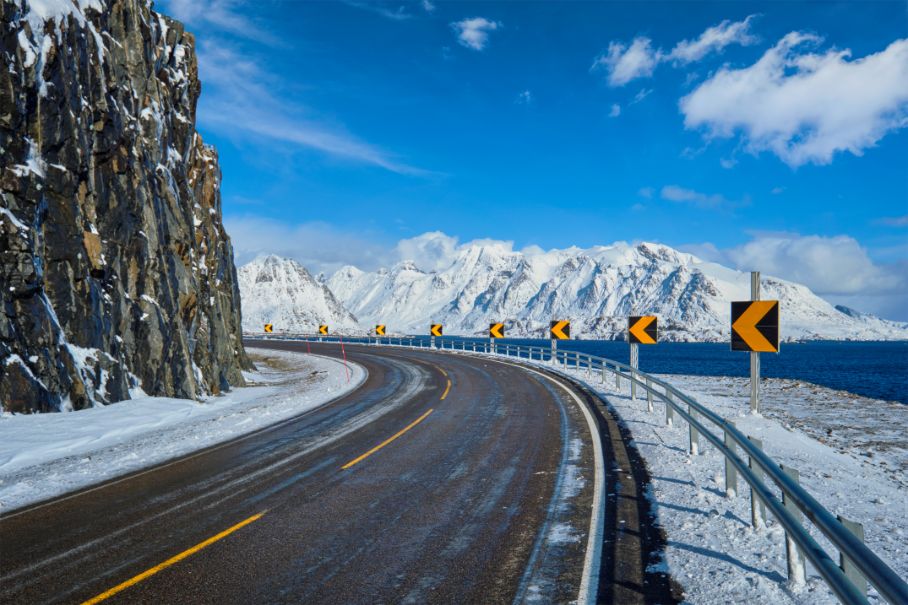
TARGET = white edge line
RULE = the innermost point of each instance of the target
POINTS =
(589, 580)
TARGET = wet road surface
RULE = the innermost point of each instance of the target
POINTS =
(443, 478)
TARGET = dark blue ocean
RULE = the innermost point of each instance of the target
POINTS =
(872, 369)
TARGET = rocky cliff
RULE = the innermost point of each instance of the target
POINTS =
(115, 269)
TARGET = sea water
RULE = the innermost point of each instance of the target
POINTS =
(873, 369)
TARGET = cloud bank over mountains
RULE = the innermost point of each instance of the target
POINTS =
(837, 268)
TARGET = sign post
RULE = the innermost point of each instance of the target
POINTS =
(322, 331)
(754, 355)
(635, 364)
(641, 330)
(755, 328)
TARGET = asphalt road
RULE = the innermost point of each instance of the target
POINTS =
(443, 478)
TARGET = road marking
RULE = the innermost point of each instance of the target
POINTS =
(589, 580)
(442, 371)
(447, 388)
(171, 561)
(387, 441)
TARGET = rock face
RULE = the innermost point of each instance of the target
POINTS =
(282, 292)
(116, 272)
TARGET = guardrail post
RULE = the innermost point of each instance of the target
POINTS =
(693, 434)
(618, 380)
(602, 378)
(757, 508)
(669, 411)
(589, 366)
(649, 396)
(797, 565)
(565, 361)
(731, 474)
(847, 565)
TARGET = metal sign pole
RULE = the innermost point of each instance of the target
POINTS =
(554, 351)
(754, 356)
(634, 365)
(431, 342)
(492, 345)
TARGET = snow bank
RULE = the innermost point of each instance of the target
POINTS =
(46, 455)
(852, 455)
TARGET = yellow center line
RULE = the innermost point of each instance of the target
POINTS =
(442, 371)
(171, 561)
(447, 388)
(387, 441)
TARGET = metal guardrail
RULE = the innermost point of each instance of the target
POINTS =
(857, 561)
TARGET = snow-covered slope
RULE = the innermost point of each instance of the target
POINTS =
(596, 288)
(280, 291)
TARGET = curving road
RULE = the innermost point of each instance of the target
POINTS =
(443, 478)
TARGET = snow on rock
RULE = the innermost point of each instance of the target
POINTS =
(476, 283)
(46, 455)
(280, 291)
(88, 225)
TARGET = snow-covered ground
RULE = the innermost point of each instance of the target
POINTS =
(852, 455)
(45, 455)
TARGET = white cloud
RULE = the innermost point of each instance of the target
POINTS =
(804, 107)
(243, 99)
(625, 63)
(728, 163)
(395, 14)
(474, 33)
(777, 190)
(524, 98)
(646, 192)
(226, 15)
(827, 265)
(674, 193)
(714, 39)
(642, 94)
(430, 251)
(895, 221)
(318, 246)
(837, 268)
(615, 111)
(428, 6)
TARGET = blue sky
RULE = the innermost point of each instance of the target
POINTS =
(761, 135)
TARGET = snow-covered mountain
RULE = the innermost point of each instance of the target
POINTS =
(596, 288)
(282, 292)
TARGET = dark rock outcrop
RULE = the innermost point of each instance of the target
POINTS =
(115, 269)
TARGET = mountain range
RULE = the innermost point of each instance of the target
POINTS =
(596, 288)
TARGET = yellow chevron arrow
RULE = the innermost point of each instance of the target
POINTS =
(323, 330)
(496, 330)
(639, 330)
(269, 328)
(380, 330)
(436, 330)
(746, 326)
(557, 330)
